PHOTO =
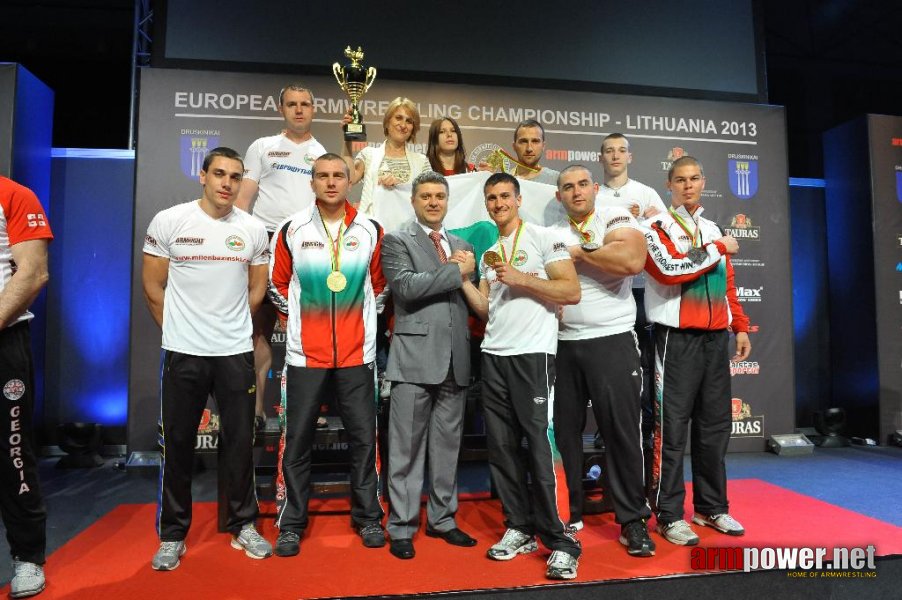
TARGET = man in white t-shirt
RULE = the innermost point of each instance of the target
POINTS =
(643, 202)
(527, 275)
(204, 274)
(597, 356)
(276, 185)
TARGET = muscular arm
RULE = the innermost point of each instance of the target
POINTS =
(623, 253)
(31, 275)
(247, 194)
(154, 275)
(561, 287)
(257, 279)
(477, 298)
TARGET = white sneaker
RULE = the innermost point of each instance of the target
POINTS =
(678, 532)
(561, 565)
(512, 543)
(723, 523)
(28, 579)
(253, 544)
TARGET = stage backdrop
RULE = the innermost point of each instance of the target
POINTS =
(742, 146)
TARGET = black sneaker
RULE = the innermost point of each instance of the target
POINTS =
(288, 544)
(634, 535)
(373, 535)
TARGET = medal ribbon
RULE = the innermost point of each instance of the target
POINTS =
(514, 247)
(581, 226)
(334, 245)
(695, 237)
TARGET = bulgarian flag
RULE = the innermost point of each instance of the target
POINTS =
(467, 217)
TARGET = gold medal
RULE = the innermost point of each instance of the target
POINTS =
(491, 258)
(336, 281)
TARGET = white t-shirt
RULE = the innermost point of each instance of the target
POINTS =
(607, 306)
(631, 193)
(519, 323)
(282, 170)
(205, 306)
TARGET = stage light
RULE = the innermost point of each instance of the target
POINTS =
(81, 443)
(830, 424)
(790, 444)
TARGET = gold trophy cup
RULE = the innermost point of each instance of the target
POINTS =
(355, 80)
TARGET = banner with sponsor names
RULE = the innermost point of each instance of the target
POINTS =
(885, 141)
(183, 114)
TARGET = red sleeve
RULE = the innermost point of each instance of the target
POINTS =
(669, 266)
(281, 270)
(25, 218)
(740, 322)
(376, 276)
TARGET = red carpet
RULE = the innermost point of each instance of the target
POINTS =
(111, 559)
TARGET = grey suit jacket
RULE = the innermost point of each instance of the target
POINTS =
(430, 310)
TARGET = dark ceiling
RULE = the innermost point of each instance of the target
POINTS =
(827, 61)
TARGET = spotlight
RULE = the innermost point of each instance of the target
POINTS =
(830, 424)
(81, 443)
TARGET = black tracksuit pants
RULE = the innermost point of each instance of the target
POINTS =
(607, 370)
(692, 384)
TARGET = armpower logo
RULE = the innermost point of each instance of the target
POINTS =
(150, 240)
(277, 154)
(559, 247)
(617, 221)
(188, 241)
(312, 244)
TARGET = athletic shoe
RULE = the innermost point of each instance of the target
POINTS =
(167, 557)
(678, 533)
(634, 535)
(561, 566)
(384, 388)
(373, 535)
(253, 544)
(723, 523)
(288, 544)
(28, 579)
(512, 543)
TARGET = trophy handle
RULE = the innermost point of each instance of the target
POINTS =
(370, 77)
(339, 75)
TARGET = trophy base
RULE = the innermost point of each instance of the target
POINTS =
(355, 132)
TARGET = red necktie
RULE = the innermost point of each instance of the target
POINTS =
(436, 238)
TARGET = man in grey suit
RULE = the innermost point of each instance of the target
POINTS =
(428, 365)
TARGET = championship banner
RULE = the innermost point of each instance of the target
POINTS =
(184, 114)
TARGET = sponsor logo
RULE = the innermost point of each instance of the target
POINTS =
(520, 258)
(234, 243)
(193, 150)
(14, 389)
(896, 141)
(741, 228)
(745, 367)
(743, 176)
(674, 153)
(745, 425)
(746, 262)
(309, 158)
(800, 562)
(291, 169)
(312, 244)
(207, 431)
(351, 243)
(36, 220)
(188, 241)
(149, 240)
(617, 221)
(277, 154)
(539, 400)
(750, 294)
(559, 247)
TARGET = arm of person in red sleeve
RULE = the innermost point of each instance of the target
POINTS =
(377, 277)
(740, 322)
(667, 265)
(281, 269)
(29, 235)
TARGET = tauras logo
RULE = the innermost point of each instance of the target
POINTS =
(744, 424)
(741, 228)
